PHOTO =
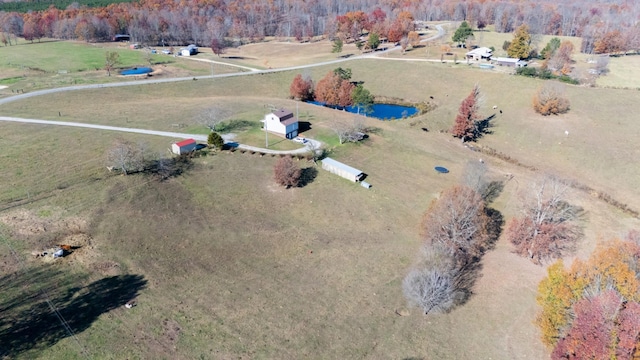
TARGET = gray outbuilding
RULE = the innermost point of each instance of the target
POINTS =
(341, 169)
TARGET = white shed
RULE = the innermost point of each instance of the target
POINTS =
(341, 169)
(184, 147)
(189, 50)
(281, 122)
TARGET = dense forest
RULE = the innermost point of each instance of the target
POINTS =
(178, 22)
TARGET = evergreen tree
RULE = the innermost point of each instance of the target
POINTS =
(551, 48)
(215, 140)
(462, 33)
(374, 41)
(362, 98)
(337, 46)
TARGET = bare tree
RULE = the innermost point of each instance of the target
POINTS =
(349, 132)
(433, 289)
(602, 64)
(212, 117)
(112, 59)
(126, 156)
(457, 221)
(547, 226)
(474, 176)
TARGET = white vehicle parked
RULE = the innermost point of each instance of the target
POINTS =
(300, 140)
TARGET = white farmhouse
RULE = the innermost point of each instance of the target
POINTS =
(281, 122)
(481, 53)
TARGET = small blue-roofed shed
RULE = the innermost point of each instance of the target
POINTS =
(341, 169)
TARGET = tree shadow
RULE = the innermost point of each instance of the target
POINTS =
(28, 323)
(492, 191)
(307, 176)
(493, 227)
(483, 126)
(465, 279)
(166, 168)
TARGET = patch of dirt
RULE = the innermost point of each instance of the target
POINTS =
(170, 332)
(48, 232)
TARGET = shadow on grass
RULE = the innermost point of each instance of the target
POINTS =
(307, 176)
(483, 127)
(27, 322)
(235, 125)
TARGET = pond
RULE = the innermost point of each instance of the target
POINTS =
(380, 111)
(136, 71)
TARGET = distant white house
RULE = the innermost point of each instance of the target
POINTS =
(281, 122)
(481, 53)
(189, 50)
(184, 147)
(505, 61)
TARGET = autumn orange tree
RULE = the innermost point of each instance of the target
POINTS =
(550, 99)
(334, 90)
(591, 310)
(467, 120)
(301, 88)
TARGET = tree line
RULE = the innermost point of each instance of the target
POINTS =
(178, 23)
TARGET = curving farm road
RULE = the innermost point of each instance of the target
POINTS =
(312, 144)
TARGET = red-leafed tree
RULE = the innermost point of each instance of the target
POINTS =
(286, 172)
(628, 331)
(467, 120)
(218, 46)
(591, 332)
(591, 310)
(334, 90)
(301, 88)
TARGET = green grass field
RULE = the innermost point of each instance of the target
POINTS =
(226, 264)
(50, 63)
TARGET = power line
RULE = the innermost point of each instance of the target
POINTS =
(54, 309)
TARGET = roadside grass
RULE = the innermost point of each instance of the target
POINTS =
(242, 267)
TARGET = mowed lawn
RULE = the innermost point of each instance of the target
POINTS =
(236, 266)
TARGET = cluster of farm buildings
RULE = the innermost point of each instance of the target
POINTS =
(484, 53)
(283, 122)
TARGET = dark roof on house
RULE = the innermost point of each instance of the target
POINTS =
(286, 117)
(185, 142)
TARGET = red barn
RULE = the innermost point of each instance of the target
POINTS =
(184, 146)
